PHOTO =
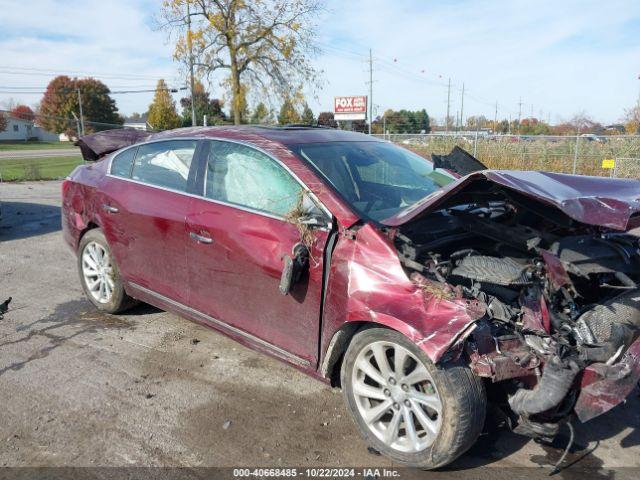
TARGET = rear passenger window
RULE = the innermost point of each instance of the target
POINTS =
(247, 177)
(165, 164)
(121, 163)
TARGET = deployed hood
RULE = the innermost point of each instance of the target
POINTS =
(99, 144)
(605, 202)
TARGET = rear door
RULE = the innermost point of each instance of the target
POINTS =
(241, 234)
(144, 202)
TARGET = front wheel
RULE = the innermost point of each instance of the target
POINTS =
(406, 407)
(99, 274)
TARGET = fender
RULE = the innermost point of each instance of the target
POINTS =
(368, 284)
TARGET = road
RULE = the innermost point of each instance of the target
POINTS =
(40, 153)
(149, 388)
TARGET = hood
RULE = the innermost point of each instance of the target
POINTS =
(605, 202)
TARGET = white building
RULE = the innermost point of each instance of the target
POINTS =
(19, 129)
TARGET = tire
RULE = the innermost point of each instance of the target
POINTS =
(118, 301)
(452, 389)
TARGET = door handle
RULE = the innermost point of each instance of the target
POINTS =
(200, 238)
(109, 208)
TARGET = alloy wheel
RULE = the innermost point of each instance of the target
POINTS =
(98, 272)
(396, 397)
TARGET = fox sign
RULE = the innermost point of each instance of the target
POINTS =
(350, 108)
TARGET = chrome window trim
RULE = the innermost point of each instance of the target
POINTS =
(225, 326)
(220, 202)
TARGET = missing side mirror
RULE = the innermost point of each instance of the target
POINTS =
(293, 268)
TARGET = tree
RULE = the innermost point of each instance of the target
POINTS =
(3, 122)
(288, 114)
(261, 45)
(326, 119)
(307, 115)
(212, 108)
(632, 120)
(403, 121)
(23, 112)
(162, 112)
(261, 114)
(60, 103)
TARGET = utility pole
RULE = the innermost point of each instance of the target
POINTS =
(192, 81)
(384, 125)
(495, 118)
(370, 90)
(462, 108)
(81, 115)
(519, 114)
(446, 120)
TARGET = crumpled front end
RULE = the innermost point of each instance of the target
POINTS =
(561, 300)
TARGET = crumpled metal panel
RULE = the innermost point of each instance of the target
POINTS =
(367, 283)
(97, 145)
(605, 386)
(606, 202)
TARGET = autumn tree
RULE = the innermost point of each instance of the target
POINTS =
(632, 120)
(288, 114)
(327, 119)
(60, 103)
(23, 112)
(3, 122)
(261, 114)
(162, 112)
(260, 46)
(307, 116)
(211, 107)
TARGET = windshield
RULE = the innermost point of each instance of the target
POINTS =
(378, 179)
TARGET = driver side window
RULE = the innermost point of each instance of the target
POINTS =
(246, 177)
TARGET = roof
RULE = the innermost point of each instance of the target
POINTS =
(285, 135)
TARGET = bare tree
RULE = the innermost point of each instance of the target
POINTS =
(260, 44)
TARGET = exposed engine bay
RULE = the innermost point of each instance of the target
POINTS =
(561, 299)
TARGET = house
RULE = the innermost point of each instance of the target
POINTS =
(138, 122)
(19, 129)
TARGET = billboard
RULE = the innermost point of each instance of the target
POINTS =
(350, 108)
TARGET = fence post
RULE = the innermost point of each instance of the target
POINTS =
(475, 146)
(575, 155)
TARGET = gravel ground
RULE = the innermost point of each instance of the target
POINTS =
(149, 388)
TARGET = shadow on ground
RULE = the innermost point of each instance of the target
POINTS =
(22, 220)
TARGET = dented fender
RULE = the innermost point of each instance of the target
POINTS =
(368, 284)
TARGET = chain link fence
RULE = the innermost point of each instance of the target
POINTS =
(603, 156)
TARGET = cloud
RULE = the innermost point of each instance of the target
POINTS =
(114, 39)
(561, 57)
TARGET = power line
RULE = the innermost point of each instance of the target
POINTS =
(117, 92)
(50, 71)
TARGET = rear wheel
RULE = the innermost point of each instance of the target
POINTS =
(99, 274)
(406, 407)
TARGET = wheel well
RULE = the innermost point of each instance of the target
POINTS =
(90, 226)
(332, 363)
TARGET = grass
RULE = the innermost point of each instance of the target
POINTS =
(48, 168)
(33, 145)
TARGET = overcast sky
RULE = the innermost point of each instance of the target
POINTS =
(560, 57)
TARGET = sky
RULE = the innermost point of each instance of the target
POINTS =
(552, 58)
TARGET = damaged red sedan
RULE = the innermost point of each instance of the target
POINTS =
(418, 287)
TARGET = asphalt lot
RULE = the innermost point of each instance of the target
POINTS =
(80, 388)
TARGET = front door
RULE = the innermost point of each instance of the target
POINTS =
(241, 231)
